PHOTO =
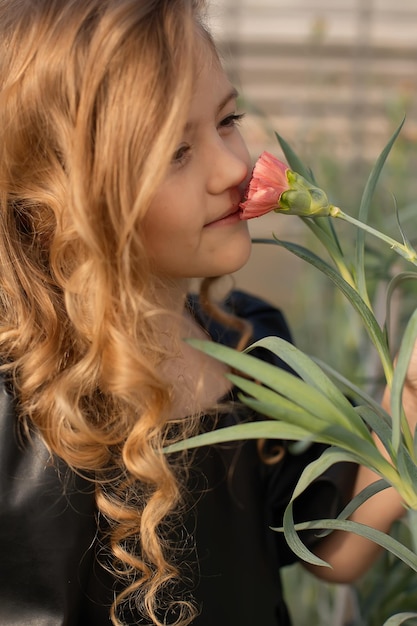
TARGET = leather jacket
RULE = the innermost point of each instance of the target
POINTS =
(47, 526)
(50, 535)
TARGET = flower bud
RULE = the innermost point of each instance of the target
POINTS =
(303, 198)
(274, 187)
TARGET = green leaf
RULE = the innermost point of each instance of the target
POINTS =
(323, 229)
(283, 408)
(385, 541)
(294, 541)
(398, 619)
(407, 470)
(415, 443)
(361, 497)
(362, 450)
(321, 224)
(364, 211)
(399, 423)
(316, 468)
(371, 325)
(393, 284)
(309, 371)
(318, 430)
(254, 430)
(309, 425)
(294, 161)
(379, 426)
(340, 430)
(311, 399)
(404, 237)
(411, 522)
(355, 392)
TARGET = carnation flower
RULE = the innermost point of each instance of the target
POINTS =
(274, 187)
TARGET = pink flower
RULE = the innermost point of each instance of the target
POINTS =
(274, 187)
(269, 181)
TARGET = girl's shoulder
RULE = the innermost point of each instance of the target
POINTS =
(47, 525)
(264, 317)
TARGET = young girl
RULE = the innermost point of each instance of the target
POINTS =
(121, 173)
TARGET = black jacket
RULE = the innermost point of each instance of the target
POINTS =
(49, 570)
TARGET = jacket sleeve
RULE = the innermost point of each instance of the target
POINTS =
(329, 493)
(47, 525)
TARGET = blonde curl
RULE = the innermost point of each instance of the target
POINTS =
(92, 97)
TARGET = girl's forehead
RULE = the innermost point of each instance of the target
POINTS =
(208, 67)
(205, 51)
(212, 90)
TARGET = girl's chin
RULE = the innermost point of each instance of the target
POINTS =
(237, 258)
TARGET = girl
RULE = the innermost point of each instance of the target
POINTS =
(121, 173)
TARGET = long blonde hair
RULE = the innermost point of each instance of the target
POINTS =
(93, 96)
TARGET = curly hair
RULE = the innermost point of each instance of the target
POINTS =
(92, 97)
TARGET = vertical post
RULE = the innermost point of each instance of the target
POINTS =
(228, 13)
(362, 57)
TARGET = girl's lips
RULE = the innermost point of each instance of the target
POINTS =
(230, 218)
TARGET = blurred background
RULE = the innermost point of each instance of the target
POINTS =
(335, 78)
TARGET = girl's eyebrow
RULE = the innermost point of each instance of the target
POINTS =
(232, 95)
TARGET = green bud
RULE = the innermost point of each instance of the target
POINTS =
(303, 198)
(295, 202)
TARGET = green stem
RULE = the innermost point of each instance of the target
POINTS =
(332, 248)
(408, 253)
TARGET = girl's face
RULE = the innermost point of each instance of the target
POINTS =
(192, 228)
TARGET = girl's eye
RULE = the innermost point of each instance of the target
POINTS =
(232, 120)
(181, 154)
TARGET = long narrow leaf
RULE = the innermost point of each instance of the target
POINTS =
(392, 286)
(316, 468)
(277, 408)
(294, 160)
(360, 498)
(364, 211)
(404, 237)
(355, 392)
(289, 409)
(407, 469)
(389, 543)
(362, 450)
(404, 355)
(331, 243)
(371, 325)
(308, 370)
(379, 426)
(398, 619)
(323, 224)
(254, 430)
(294, 541)
(278, 412)
(284, 383)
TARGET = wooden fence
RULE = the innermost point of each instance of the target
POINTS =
(344, 69)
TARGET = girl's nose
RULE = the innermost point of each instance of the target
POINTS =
(229, 166)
